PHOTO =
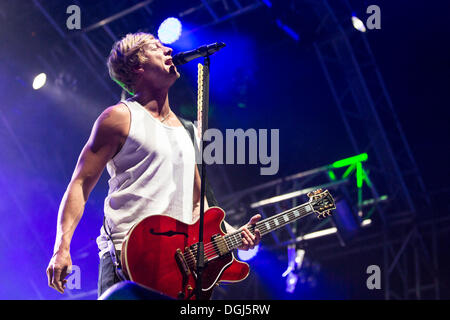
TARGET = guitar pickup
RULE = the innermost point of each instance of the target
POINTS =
(220, 245)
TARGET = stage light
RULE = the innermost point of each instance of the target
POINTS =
(318, 234)
(169, 31)
(292, 273)
(300, 254)
(249, 254)
(291, 260)
(358, 24)
(39, 81)
(291, 282)
(351, 160)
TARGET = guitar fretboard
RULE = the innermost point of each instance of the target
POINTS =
(234, 240)
(202, 99)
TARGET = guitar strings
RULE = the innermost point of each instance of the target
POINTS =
(232, 241)
(210, 252)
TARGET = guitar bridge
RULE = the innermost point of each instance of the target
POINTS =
(190, 258)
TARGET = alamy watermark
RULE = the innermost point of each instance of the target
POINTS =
(374, 280)
(374, 20)
(74, 278)
(235, 148)
(74, 20)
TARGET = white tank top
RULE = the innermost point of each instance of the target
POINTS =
(153, 173)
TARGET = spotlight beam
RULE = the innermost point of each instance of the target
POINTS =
(117, 16)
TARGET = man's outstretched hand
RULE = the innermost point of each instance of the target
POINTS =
(58, 269)
(250, 240)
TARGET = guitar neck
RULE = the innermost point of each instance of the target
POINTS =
(234, 240)
(202, 99)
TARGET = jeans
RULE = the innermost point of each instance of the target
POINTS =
(107, 276)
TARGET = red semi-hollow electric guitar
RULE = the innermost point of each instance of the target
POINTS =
(159, 252)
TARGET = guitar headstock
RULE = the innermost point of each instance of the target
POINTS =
(322, 202)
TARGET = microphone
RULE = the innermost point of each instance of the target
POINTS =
(203, 51)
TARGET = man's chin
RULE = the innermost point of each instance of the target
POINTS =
(173, 70)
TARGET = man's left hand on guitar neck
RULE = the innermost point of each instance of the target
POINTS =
(249, 240)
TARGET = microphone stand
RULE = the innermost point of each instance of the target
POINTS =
(204, 121)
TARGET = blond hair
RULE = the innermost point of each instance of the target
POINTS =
(126, 55)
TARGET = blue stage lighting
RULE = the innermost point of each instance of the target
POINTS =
(249, 254)
(170, 30)
(291, 282)
(294, 35)
(267, 3)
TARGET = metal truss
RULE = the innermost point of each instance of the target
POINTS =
(407, 233)
(373, 127)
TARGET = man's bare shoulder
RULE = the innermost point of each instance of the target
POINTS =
(116, 112)
(115, 118)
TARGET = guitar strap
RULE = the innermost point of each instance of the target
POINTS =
(209, 193)
(189, 126)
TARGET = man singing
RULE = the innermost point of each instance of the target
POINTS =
(148, 154)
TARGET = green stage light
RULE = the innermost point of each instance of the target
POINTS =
(349, 161)
(331, 175)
